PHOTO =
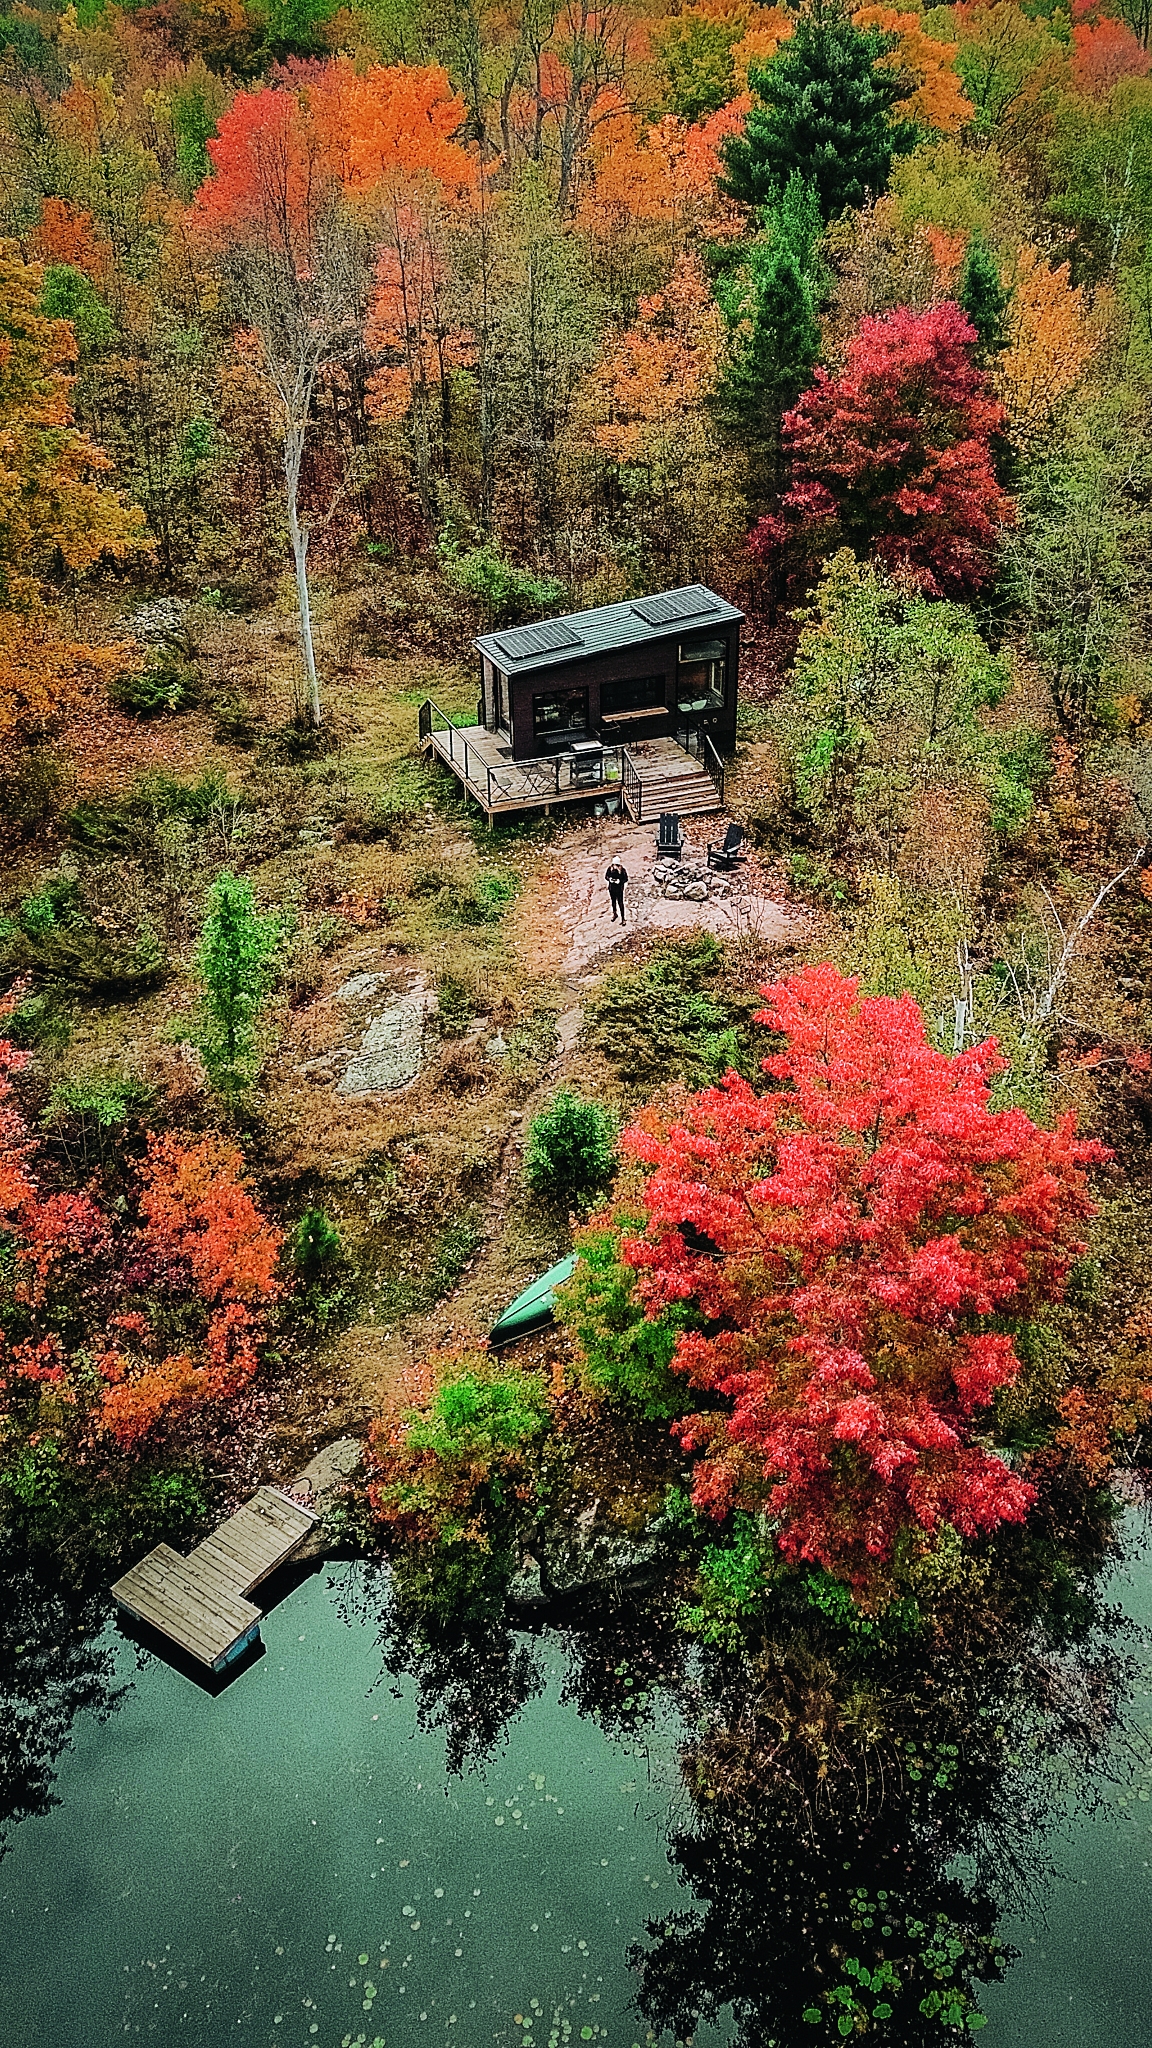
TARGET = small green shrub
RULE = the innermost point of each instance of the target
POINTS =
(55, 903)
(163, 686)
(94, 1104)
(30, 789)
(661, 1022)
(455, 1008)
(623, 1354)
(316, 1247)
(236, 722)
(571, 1155)
(43, 1022)
(732, 1584)
(320, 1267)
(505, 592)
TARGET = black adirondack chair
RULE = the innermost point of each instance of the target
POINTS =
(670, 838)
(727, 853)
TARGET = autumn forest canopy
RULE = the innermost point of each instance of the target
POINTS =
(334, 336)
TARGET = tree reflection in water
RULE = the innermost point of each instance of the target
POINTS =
(471, 1672)
(52, 1668)
(865, 1812)
(869, 1797)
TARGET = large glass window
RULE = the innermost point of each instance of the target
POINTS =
(700, 678)
(639, 693)
(560, 714)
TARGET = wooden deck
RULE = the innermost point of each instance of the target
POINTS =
(648, 776)
(483, 762)
(199, 1601)
(659, 775)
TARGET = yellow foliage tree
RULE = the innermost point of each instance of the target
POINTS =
(657, 377)
(1051, 340)
(53, 505)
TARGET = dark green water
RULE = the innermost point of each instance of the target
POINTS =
(218, 1871)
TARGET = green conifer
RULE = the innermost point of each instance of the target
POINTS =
(824, 110)
(982, 296)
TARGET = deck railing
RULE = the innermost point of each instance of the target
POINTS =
(631, 784)
(532, 781)
(714, 765)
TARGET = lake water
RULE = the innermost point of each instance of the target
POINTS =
(289, 1865)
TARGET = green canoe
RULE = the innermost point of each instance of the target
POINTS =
(531, 1310)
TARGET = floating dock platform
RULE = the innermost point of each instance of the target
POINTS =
(200, 1602)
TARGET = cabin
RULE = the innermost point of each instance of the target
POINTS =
(633, 702)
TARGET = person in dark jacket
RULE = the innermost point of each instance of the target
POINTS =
(617, 880)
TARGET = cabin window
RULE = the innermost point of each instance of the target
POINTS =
(700, 677)
(557, 714)
(500, 701)
(638, 693)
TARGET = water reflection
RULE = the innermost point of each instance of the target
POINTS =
(864, 1817)
(51, 1670)
(866, 1803)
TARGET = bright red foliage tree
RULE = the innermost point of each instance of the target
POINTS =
(893, 458)
(873, 1232)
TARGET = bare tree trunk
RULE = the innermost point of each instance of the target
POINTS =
(298, 535)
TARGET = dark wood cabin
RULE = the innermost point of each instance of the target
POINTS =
(660, 667)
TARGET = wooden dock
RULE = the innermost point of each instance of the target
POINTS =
(200, 1601)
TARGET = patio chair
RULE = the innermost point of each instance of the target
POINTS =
(669, 839)
(728, 852)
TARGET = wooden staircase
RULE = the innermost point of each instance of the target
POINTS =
(658, 775)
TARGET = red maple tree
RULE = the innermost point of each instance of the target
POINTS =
(868, 1234)
(893, 458)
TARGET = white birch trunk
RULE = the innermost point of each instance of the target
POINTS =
(298, 535)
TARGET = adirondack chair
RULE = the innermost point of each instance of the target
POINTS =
(669, 839)
(727, 853)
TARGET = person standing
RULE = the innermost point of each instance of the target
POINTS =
(617, 880)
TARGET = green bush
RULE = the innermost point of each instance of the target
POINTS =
(164, 685)
(320, 1267)
(505, 592)
(571, 1153)
(623, 1354)
(732, 1584)
(476, 1418)
(660, 1022)
(316, 1248)
(455, 1008)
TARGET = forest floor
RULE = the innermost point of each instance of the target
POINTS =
(420, 935)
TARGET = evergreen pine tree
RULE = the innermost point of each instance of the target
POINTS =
(982, 296)
(771, 310)
(823, 109)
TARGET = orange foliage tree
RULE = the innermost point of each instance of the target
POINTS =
(89, 1298)
(1051, 340)
(937, 100)
(663, 177)
(53, 502)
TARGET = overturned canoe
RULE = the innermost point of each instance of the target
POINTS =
(532, 1310)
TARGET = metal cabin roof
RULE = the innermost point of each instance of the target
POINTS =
(553, 642)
